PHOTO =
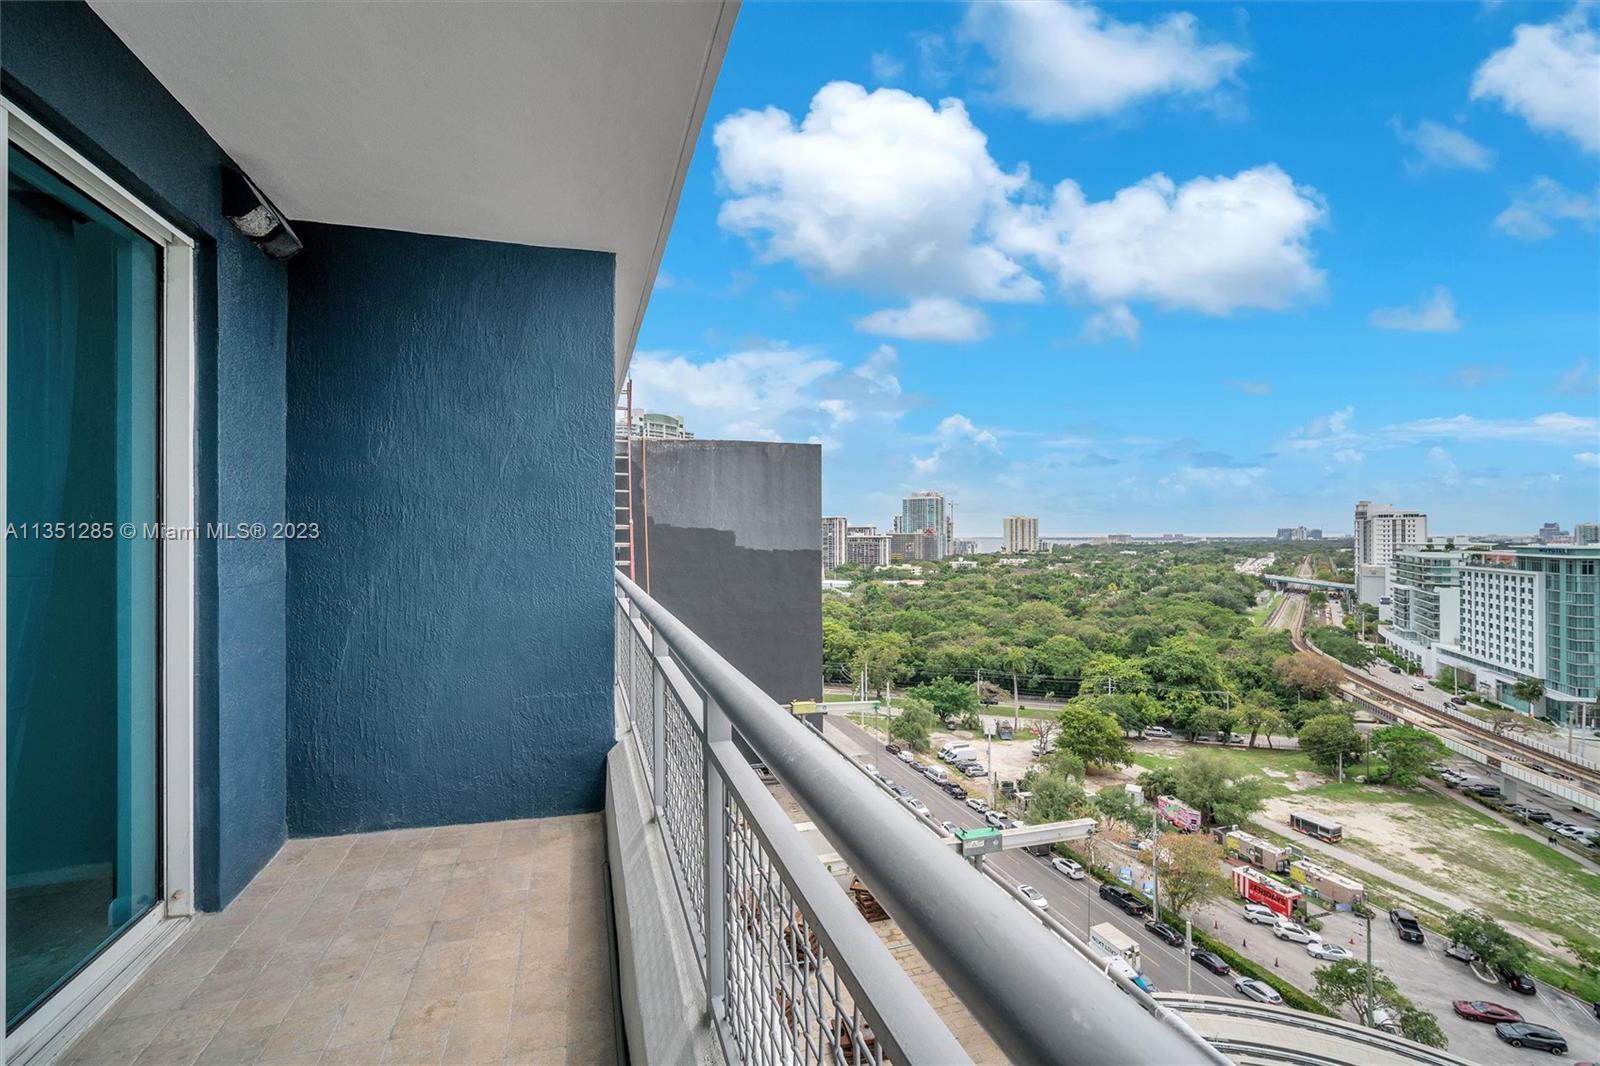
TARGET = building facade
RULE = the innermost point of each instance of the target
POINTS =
(1530, 612)
(1424, 586)
(1586, 533)
(834, 531)
(1380, 529)
(1021, 534)
(924, 512)
(867, 549)
(913, 547)
(659, 427)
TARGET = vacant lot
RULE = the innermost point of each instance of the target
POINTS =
(1461, 852)
(1283, 771)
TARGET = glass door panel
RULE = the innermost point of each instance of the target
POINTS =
(82, 774)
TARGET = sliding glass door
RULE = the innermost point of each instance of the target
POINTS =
(83, 847)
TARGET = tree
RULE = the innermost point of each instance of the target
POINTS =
(1344, 985)
(913, 724)
(839, 642)
(1494, 944)
(1529, 690)
(1133, 711)
(1191, 870)
(1406, 752)
(1110, 673)
(880, 656)
(1312, 676)
(1159, 781)
(1094, 737)
(1259, 718)
(948, 697)
(1117, 805)
(1204, 782)
(1328, 737)
(1054, 796)
(1043, 730)
(1418, 1025)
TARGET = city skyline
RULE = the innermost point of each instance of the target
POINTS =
(905, 239)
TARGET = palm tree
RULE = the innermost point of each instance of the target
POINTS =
(1530, 690)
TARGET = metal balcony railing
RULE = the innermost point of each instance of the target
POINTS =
(792, 971)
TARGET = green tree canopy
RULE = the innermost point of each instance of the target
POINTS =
(1327, 737)
(1494, 944)
(948, 696)
(1191, 871)
(1159, 781)
(914, 722)
(1406, 752)
(1205, 781)
(1094, 737)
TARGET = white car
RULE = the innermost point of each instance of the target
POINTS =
(872, 771)
(977, 804)
(918, 806)
(1034, 896)
(906, 757)
(1418, 686)
(951, 828)
(1284, 929)
(1259, 991)
(1067, 868)
(1260, 915)
(1157, 732)
(1318, 949)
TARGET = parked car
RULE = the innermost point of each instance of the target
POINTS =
(1067, 868)
(1418, 686)
(977, 804)
(1006, 733)
(1157, 732)
(1284, 929)
(1319, 949)
(1459, 701)
(871, 770)
(1461, 953)
(1520, 983)
(1479, 1010)
(905, 756)
(952, 828)
(1406, 925)
(1124, 900)
(1394, 669)
(1210, 960)
(1538, 814)
(1258, 914)
(892, 748)
(1517, 809)
(901, 791)
(1538, 1037)
(989, 701)
(954, 790)
(918, 806)
(1259, 991)
(1163, 931)
(1386, 1019)
(1034, 896)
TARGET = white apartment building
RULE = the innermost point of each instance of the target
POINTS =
(834, 531)
(1379, 530)
(1424, 588)
(659, 427)
(1586, 533)
(867, 549)
(924, 512)
(1021, 533)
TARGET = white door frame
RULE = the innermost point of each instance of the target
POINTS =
(76, 1005)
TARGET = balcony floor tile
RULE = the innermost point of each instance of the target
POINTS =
(463, 944)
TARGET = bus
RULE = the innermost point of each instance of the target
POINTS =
(1315, 825)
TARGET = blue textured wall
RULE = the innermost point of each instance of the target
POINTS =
(450, 644)
(69, 70)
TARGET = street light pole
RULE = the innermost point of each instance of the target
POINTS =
(1188, 955)
(1369, 966)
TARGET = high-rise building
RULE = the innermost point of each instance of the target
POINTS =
(1551, 533)
(834, 531)
(913, 547)
(1021, 533)
(867, 549)
(1380, 529)
(923, 512)
(861, 531)
(1530, 612)
(1584, 533)
(1424, 585)
(659, 427)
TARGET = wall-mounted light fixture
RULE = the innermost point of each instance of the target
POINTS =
(255, 216)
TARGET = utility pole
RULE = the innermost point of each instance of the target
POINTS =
(1369, 964)
(1088, 896)
(1188, 951)
(1016, 705)
(1155, 867)
(1341, 768)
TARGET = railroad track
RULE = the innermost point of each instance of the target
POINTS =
(1503, 746)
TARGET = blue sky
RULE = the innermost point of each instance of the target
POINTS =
(1148, 268)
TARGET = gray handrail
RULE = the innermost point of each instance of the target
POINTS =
(1037, 998)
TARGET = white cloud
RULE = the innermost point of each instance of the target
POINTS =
(932, 318)
(1534, 213)
(1442, 467)
(1554, 428)
(1587, 458)
(1211, 244)
(1439, 146)
(1578, 378)
(881, 189)
(1322, 431)
(955, 431)
(1252, 388)
(886, 68)
(1550, 75)
(1114, 322)
(1071, 61)
(1436, 314)
(748, 394)
(1349, 456)
(1212, 477)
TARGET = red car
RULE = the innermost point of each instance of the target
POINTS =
(1477, 1010)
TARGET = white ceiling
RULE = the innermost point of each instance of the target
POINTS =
(568, 125)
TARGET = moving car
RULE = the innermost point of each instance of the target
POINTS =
(1156, 732)
(952, 828)
(1034, 896)
(872, 771)
(1418, 686)
(918, 806)
(977, 804)
(1210, 960)
(1124, 900)
(1538, 1037)
(1318, 949)
(1480, 1010)
(1259, 914)
(1163, 931)
(1284, 929)
(1519, 983)
(1259, 991)
(1406, 925)
(1067, 868)
(996, 819)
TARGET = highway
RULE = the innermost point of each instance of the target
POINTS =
(1074, 903)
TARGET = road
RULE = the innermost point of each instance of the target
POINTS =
(1076, 903)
